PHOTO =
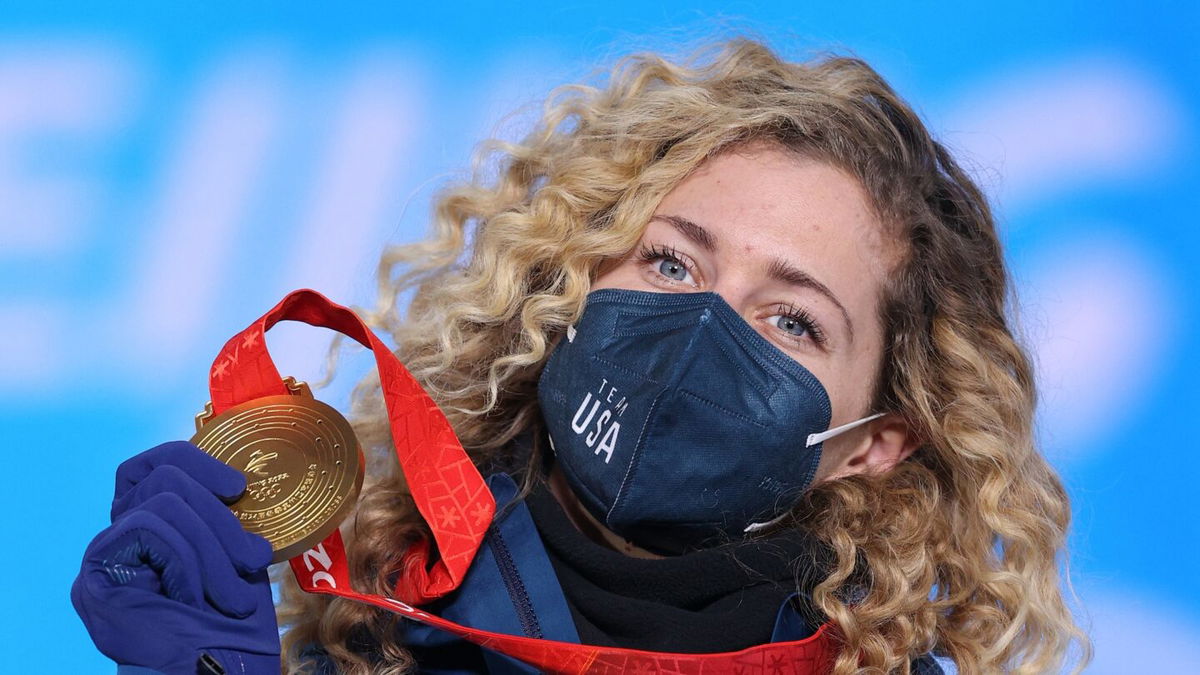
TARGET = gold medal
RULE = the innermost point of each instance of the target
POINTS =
(303, 465)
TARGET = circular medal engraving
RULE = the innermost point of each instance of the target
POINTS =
(303, 468)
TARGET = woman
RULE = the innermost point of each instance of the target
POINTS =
(648, 319)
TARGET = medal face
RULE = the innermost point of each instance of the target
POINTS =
(302, 463)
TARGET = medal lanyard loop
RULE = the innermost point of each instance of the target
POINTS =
(448, 490)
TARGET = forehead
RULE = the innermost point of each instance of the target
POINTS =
(764, 202)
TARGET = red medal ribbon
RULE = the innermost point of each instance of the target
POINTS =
(453, 499)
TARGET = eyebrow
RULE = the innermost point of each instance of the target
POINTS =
(778, 269)
(699, 236)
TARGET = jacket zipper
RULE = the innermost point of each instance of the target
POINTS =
(515, 586)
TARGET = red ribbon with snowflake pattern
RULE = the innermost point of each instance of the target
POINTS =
(454, 500)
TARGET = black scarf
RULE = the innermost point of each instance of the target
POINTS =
(713, 600)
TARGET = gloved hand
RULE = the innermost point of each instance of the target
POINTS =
(175, 577)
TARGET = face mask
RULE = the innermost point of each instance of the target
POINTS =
(676, 423)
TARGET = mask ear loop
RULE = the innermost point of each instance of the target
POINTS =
(813, 439)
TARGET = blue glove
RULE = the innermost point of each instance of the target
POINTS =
(175, 578)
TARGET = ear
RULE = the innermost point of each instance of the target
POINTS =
(883, 443)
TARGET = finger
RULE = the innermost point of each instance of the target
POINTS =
(249, 552)
(222, 480)
(131, 626)
(143, 551)
(228, 592)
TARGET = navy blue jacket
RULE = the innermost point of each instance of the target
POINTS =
(511, 588)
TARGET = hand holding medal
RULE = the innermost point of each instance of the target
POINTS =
(178, 582)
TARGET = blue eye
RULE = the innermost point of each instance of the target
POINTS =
(791, 325)
(667, 265)
(673, 269)
(797, 324)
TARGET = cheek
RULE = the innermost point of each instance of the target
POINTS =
(623, 275)
(847, 387)
(830, 376)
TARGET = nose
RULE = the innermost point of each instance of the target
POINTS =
(736, 294)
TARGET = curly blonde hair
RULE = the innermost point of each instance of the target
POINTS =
(962, 541)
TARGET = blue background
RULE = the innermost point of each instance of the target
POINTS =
(168, 173)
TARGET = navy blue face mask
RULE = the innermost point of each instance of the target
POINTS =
(676, 423)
